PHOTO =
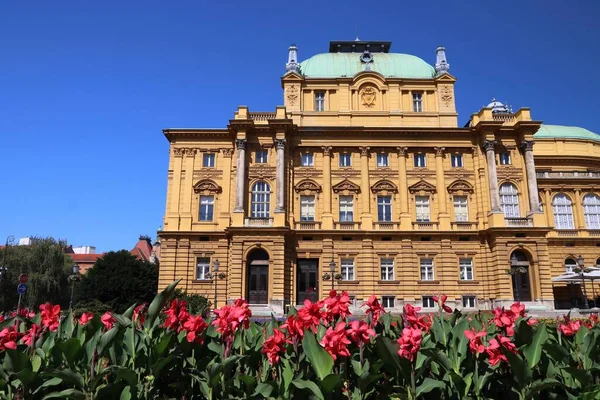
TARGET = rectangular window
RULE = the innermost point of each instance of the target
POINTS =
(208, 160)
(347, 269)
(420, 161)
(417, 102)
(203, 268)
(426, 269)
(457, 161)
(461, 209)
(468, 301)
(319, 101)
(346, 208)
(382, 160)
(388, 301)
(345, 160)
(466, 269)
(387, 269)
(207, 205)
(307, 208)
(307, 160)
(384, 208)
(505, 158)
(428, 302)
(261, 156)
(422, 208)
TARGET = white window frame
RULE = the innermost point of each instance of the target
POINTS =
(417, 98)
(202, 268)
(509, 200)
(385, 202)
(208, 160)
(319, 101)
(427, 302)
(422, 208)
(457, 160)
(207, 203)
(386, 266)
(562, 208)
(383, 160)
(261, 156)
(420, 160)
(345, 160)
(465, 266)
(260, 204)
(307, 207)
(461, 208)
(469, 301)
(505, 158)
(346, 208)
(347, 269)
(307, 160)
(427, 269)
(591, 210)
(388, 301)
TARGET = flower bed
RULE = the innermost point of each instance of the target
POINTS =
(161, 351)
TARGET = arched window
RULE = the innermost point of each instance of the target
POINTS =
(509, 200)
(261, 200)
(563, 212)
(591, 211)
(570, 264)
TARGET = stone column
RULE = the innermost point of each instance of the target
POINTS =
(327, 218)
(280, 179)
(488, 146)
(241, 176)
(443, 216)
(405, 219)
(366, 218)
(532, 187)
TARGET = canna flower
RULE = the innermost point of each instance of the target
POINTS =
(22, 312)
(8, 338)
(442, 303)
(337, 306)
(85, 318)
(310, 314)
(50, 316)
(294, 328)
(474, 337)
(411, 318)
(177, 314)
(591, 321)
(568, 327)
(359, 332)
(108, 320)
(30, 337)
(274, 346)
(229, 318)
(139, 313)
(374, 308)
(410, 343)
(495, 354)
(335, 341)
(195, 326)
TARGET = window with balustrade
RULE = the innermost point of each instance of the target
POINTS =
(591, 211)
(383, 160)
(207, 205)
(422, 208)
(466, 269)
(509, 200)
(307, 208)
(563, 212)
(426, 269)
(570, 264)
(347, 269)
(387, 269)
(260, 200)
(346, 208)
(461, 209)
(384, 208)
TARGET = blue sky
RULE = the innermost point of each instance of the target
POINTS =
(87, 86)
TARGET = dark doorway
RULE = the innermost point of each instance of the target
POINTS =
(306, 281)
(258, 276)
(520, 280)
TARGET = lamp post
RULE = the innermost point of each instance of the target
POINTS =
(73, 278)
(215, 277)
(581, 265)
(332, 270)
(514, 263)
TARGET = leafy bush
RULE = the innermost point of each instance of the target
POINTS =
(196, 303)
(162, 351)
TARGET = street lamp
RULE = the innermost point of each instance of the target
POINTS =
(332, 270)
(581, 265)
(514, 270)
(215, 277)
(73, 278)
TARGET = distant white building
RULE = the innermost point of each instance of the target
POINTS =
(84, 249)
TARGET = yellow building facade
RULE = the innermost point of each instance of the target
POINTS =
(363, 180)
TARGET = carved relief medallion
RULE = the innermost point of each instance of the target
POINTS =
(446, 94)
(368, 96)
(292, 95)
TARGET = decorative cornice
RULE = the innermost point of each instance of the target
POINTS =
(460, 186)
(345, 173)
(488, 145)
(304, 172)
(420, 172)
(189, 152)
(422, 186)
(240, 144)
(206, 185)
(208, 173)
(261, 171)
(381, 172)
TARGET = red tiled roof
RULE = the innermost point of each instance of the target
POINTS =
(86, 257)
(142, 250)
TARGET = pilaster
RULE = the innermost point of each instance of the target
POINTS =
(405, 218)
(443, 216)
(240, 191)
(366, 217)
(327, 218)
(185, 222)
(172, 221)
(224, 203)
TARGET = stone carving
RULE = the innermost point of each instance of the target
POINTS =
(446, 94)
(292, 95)
(402, 151)
(509, 172)
(261, 171)
(422, 186)
(459, 173)
(307, 173)
(439, 151)
(345, 173)
(460, 186)
(178, 152)
(240, 144)
(280, 144)
(326, 150)
(475, 151)
(488, 145)
(189, 152)
(206, 185)
(383, 173)
(346, 185)
(368, 96)
(227, 152)
(208, 173)
(364, 151)
(420, 172)
(384, 186)
(527, 145)
(307, 185)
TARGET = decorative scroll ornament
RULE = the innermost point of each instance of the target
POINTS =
(240, 144)
(364, 151)
(488, 145)
(326, 150)
(227, 152)
(422, 186)
(384, 186)
(189, 152)
(439, 151)
(460, 186)
(527, 145)
(402, 151)
(346, 185)
(292, 95)
(280, 144)
(368, 96)
(178, 152)
(446, 94)
(206, 185)
(307, 185)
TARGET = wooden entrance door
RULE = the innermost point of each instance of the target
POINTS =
(258, 277)
(521, 286)
(306, 281)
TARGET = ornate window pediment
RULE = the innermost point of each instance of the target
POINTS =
(207, 185)
(460, 186)
(384, 186)
(346, 185)
(307, 185)
(422, 186)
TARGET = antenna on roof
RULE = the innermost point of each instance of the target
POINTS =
(357, 39)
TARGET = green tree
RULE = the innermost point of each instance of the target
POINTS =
(117, 280)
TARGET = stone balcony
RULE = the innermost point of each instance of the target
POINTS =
(575, 233)
(523, 222)
(259, 222)
(568, 175)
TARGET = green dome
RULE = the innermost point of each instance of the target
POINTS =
(335, 65)
(565, 132)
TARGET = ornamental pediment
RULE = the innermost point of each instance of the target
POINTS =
(384, 186)
(346, 185)
(307, 185)
(207, 185)
(460, 186)
(422, 186)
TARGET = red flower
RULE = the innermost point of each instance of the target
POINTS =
(30, 337)
(495, 353)
(442, 303)
(335, 341)
(85, 318)
(294, 328)
(411, 319)
(310, 315)
(505, 320)
(242, 312)
(229, 319)
(360, 332)
(474, 337)
(22, 312)
(108, 320)
(591, 321)
(8, 338)
(195, 326)
(50, 316)
(568, 327)
(274, 346)
(177, 314)
(410, 343)
(337, 305)
(139, 314)
(374, 308)
(518, 309)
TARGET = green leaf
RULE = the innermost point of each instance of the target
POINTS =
(16, 361)
(538, 386)
(428, 385)
(533, 351)
(519, 367)
(122, 320)
(66, 394)
(263, 389)
(126, 394)
(159, 303)
(331, 382)
(36, 362)
(320, 359)
(584, 377)
(287, 373)
(66, 325)
(107, 338)
(50, 382)
(70, 349)
(163, 344)
(308, 385)
(67, 375)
